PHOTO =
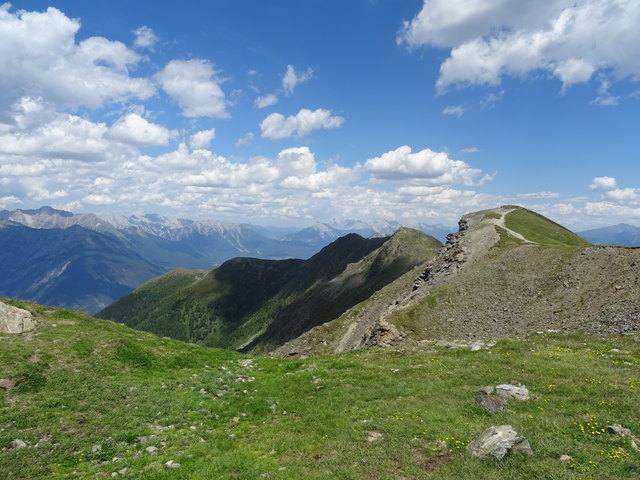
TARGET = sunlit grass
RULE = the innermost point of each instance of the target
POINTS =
(92, 383)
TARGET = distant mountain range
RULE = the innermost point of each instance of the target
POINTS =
(87, 261)
(621, 234)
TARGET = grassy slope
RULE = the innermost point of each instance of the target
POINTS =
(327, 299)
(88, 382)
(199, 305)
(272, 300)
(539, 229)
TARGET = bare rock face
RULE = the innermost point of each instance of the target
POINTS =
(15, 320)
(498, 441)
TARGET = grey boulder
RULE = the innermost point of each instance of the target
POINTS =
(498, 441)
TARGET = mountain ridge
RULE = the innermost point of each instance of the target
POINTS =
(507, 272)
(302, 294)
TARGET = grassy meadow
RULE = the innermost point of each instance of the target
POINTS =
(94, 399)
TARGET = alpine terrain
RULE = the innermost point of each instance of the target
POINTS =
(87, 261)
(257, 305)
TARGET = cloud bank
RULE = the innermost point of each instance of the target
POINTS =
(491, 39)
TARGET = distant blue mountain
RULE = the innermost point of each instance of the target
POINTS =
(621, 234)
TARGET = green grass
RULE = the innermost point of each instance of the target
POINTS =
(541, 230)
(86, 382)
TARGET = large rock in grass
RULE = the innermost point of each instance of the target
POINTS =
(498, 441)
(15, 320)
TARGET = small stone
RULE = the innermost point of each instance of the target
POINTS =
(374, 436)
(618, 429)
(7, 384)
(114, 474)
(491, 403)
(123, 471)
(152, 451)
(477, 345)
(96, 448)
(193, 428)
(17, 443)
(513, 391)
(172, 464)
(565, 458)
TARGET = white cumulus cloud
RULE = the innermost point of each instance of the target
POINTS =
(277, 126)
(202, 139)
(195, 86)
(292, 79)
(136, 130)
(39, 56)
(493, 38)
(265, 101)
(145, 38)
(603, 183)
(424, 167)
(624, 194)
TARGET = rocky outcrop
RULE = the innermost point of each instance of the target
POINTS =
(381, 334)
(450, 259)
(15, 320)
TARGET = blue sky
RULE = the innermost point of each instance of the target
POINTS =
(293, 111)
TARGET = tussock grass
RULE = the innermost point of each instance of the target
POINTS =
(87, 382)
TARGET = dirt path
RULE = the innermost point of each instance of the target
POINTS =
(501, 223)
